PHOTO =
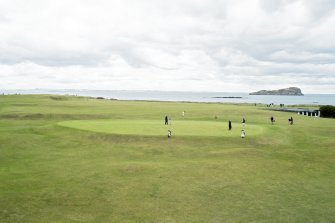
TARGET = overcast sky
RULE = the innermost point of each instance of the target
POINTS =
(184, 45)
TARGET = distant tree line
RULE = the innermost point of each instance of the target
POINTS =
(327, 111)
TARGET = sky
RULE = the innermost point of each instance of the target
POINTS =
(175, 45)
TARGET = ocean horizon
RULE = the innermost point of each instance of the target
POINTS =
(186, 96)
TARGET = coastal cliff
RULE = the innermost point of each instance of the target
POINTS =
(294, 91)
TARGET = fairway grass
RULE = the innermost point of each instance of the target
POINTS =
(157, 127)
(77, 159)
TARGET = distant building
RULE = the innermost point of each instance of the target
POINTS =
(301, 111)
(314, 113)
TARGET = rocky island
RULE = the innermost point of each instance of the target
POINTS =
(294, 91)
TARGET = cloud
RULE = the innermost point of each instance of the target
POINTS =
(232, 45)
(302, 57)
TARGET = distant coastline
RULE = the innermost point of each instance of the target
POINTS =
(228, 97)
(174, 96)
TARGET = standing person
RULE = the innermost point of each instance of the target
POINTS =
(243, 122)
(290, 121)
(169, 133)
(272, 119)
(242, 134)
(166, 120)
(229, 125)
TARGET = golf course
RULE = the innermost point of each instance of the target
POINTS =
(82, 159)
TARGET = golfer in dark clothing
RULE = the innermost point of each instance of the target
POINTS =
(290, 121)
(243, 122)
(166, 120)
(229, 125)
(272, 119)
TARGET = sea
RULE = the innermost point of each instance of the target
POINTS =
(183, 96)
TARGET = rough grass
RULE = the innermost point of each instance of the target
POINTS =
(52, 173)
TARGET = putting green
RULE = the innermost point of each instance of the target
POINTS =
(157, 127)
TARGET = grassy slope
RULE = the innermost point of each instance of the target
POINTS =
(50, 173)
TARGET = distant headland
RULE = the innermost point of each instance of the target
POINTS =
(294, 91)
